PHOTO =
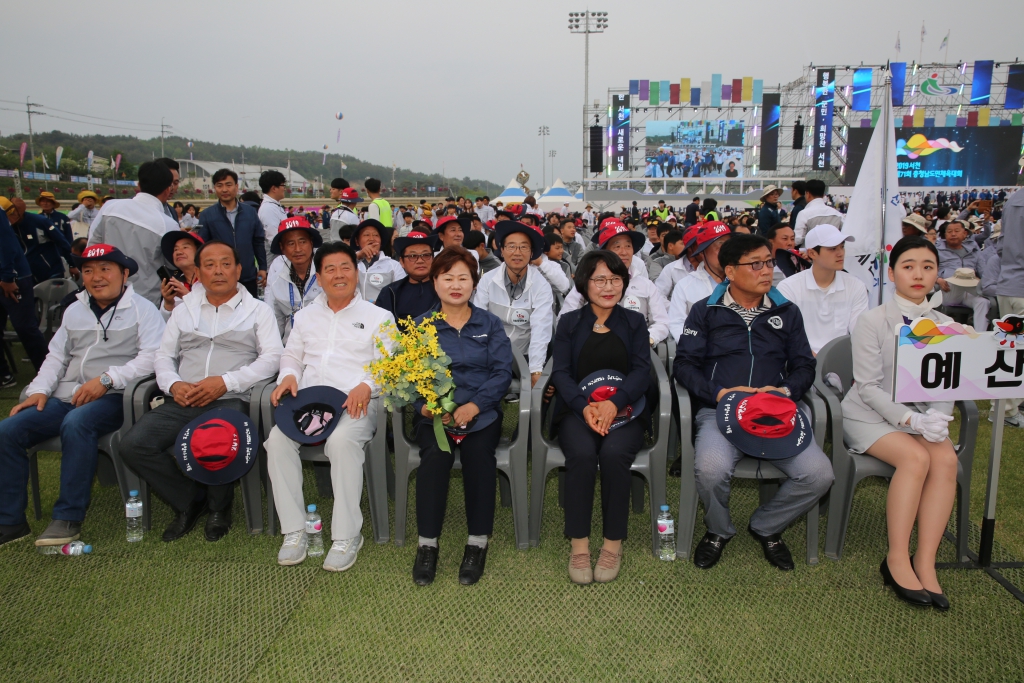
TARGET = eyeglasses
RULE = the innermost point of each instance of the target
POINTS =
(602, 282)
(418, 257)
(758, 265)
(516, 247)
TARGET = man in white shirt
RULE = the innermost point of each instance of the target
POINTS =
(484, 210)
(332, 343)
(217, 345)
(271, 213)
(343, 219)
(829, 299)
(816, 213)
(682, 266)
(702, 281)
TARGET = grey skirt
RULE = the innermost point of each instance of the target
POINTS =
(859, 436)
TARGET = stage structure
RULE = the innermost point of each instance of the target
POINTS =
(815, 126)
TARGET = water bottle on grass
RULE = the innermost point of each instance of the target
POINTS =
(73, 548)
(133, 512)
(666, 535)
(314, 537)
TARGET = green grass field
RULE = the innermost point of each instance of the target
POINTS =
(198, 611)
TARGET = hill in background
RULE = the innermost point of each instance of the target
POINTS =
(135, 151)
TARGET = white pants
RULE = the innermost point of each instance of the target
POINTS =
(961, 296)
(344, 448)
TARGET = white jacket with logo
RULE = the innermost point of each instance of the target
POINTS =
(382, 273)
(334, 349)
(237, 341)
(79, 353)
(695, 286)
(284, 297)
(529, 320)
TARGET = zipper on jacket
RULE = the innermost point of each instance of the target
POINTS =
(85, 356)
(209, 354)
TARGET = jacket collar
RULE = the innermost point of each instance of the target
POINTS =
(321, 299)
(716, 296)
(195, 299)
(126, 300)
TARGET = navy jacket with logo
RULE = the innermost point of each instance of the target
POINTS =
(45, 246)
(718, 351)
(246, 237)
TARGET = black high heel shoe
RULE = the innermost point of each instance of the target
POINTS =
(939, 600)
(918, 598)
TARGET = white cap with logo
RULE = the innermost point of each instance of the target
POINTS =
(826, 235)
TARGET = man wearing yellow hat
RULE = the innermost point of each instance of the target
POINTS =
(48, 206)
(87, 209)
(17, 298)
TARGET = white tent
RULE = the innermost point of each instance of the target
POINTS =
(558, 193)
(511, 194)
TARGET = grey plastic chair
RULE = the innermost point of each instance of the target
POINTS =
(850, 468)
(252, 497)
(48, 295)
(747, 468)
(511, 455)
(107, 444)
(650, 462)
(374, 468)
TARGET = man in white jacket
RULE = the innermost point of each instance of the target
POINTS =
(816, 212)
(217, 344)
(332, 343)
(108, 338)
(702, 281)
(519, 294)
(271, 213)
(293, 284)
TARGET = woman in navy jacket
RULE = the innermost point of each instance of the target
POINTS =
(601, 336)
(481, 370)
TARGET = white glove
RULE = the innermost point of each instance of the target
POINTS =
(930, 425)
(939, 422)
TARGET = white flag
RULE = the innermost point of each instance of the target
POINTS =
(897, 41)
(945, 42)
(875, 195)
(45, 165)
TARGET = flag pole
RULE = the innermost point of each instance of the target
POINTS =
(886, 114)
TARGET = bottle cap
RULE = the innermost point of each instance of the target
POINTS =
(664, 508)
(133, 493)
(87, 549)
(311, 508)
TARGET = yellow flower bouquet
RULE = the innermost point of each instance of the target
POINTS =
(416, 368)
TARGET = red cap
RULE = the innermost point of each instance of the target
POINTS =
(293, 223)
(768, 415)
(611, 227)
(215, 444)
(441, 222)
(609, 221)
(690, 236)
(709, 232)
(349, 195)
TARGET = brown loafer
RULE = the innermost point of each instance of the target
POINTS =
(580, 571)
(607, 568)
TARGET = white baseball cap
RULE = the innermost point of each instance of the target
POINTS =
(826, 235)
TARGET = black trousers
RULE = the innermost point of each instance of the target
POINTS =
(251, 285)
(148, 448)
(584, 450)
(479, 474)
(22, 314)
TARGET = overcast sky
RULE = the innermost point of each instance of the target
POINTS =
(421, 84)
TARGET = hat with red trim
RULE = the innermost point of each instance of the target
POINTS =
(217, 447)
(536, 237)
(769, 425)
(107, 252)
(311, 415)
(295, 223)
(613, 227)
(602, 386)
(170, 239)
(349, 196)
(373, 223)
(415, 237)
(708, 233)
(443, 222)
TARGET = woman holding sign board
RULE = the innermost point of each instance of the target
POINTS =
(913, 438)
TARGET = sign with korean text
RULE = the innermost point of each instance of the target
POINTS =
(824, 99)
(618, 132)
(948, 362)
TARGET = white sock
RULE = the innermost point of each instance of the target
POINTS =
(429, 542)
(478, 541)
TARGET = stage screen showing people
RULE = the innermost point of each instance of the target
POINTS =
(694, 149)
(953, 157)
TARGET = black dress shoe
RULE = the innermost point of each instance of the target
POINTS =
(185, 521)
(775, 550)
(424, 569)
(14, 532)
(709, 550)
(917, 598)
(473, 560)
(217, 525)
(939, 600)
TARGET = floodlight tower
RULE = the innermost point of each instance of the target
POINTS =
(587, 22)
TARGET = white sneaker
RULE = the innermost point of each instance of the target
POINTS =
(293, 550)
(343, 554)
(1014, 421)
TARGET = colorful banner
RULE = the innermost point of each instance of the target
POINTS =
(117, 163)
(770, 116)
(1015, 87)
(60, 153)
(981, 86)
(861, 100)
(24, 146)
(824, 100)
(716, 90)
(88, 161)
(618, 152)
(898, 71)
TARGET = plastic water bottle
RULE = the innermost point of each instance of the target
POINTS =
(314, 527)
(133, 511)
(73, 548)
(666, 535)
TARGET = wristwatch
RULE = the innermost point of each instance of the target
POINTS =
(106, 381)
(786, 391)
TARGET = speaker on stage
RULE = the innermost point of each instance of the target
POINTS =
(798, 134)
(596, 149)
